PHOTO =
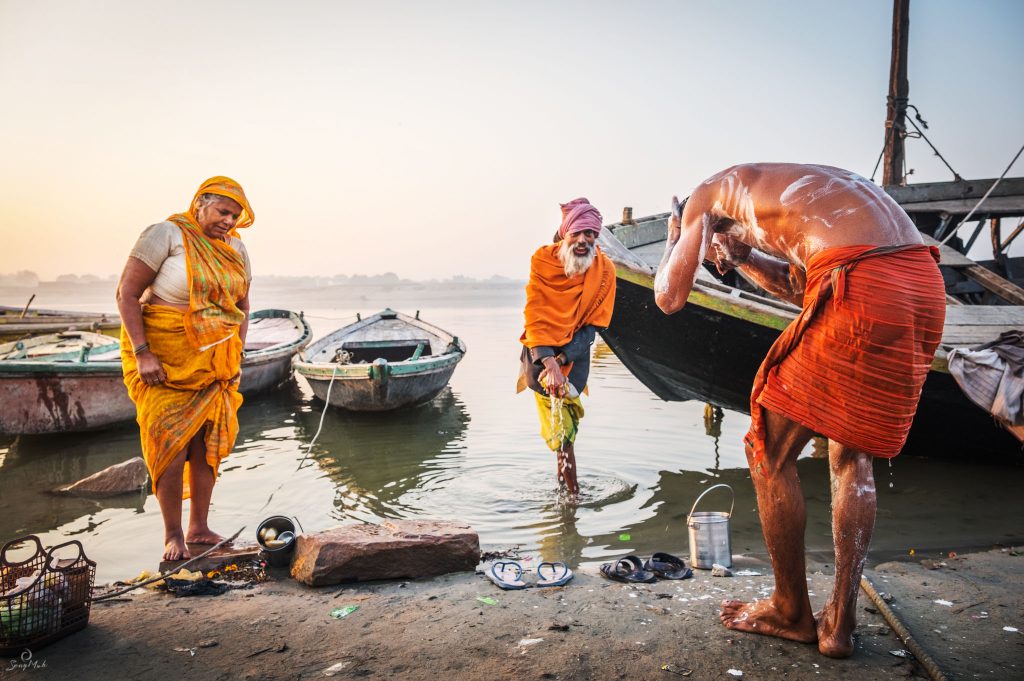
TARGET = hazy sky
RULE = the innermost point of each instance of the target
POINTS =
(438, 138)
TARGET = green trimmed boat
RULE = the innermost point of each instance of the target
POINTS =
(72, 381)
(383, 362)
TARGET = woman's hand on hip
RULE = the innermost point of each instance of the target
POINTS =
(151, 371)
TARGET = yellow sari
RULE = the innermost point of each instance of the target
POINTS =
(200, 350)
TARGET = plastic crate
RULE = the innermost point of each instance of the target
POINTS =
(44, 597)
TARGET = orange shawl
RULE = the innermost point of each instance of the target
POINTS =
(216, 271)
(558, 306)
(853, 370)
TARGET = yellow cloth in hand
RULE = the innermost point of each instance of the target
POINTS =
(559, 423)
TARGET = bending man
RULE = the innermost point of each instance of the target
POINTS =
(569, 298)
(850, 367)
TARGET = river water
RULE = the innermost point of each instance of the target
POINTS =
(474, 455)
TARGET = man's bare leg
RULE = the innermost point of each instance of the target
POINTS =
(168, 494)
(853, 521)
(200, 481)
(567, 468)
(780, 505)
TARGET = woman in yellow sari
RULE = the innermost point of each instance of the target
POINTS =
(184, 304)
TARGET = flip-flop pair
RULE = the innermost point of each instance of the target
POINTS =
(508, 574)
(632, 570)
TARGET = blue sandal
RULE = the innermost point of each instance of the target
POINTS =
(507, 574)
(559, 574)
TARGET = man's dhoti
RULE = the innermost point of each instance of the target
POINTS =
(559, 419)
(201, 388)
(852, 365)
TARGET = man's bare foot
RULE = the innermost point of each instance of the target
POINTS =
(833, 640)
(175, 549)
(206, 536)
(761, 617)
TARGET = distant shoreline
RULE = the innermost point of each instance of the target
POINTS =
(291, 292)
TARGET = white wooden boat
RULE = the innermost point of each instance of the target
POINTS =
(72, 381)
(383, 362)
(22, 322)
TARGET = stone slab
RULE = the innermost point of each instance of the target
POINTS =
(394, 549)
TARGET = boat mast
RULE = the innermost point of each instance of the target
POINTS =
(899, 92)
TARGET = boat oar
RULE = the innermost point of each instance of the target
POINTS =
(24, 310)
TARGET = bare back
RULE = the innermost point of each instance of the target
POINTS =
(774, 216)
(792, 211)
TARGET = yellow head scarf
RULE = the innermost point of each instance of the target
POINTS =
(222, 186)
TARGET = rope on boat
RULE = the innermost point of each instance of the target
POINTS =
(982, 199)
(168, 573)
(894, 623)
(327, 404)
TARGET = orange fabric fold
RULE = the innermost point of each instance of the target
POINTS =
(558, 306)
(852, 365)
(201, 388)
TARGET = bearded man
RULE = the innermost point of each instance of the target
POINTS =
(569, 298)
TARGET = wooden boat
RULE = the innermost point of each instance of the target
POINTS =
(711, 349)
(72, 381)
(273, 339)
(22, 322)
(383, 362)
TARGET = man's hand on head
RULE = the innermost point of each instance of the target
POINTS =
(675, 221)
(727, 252)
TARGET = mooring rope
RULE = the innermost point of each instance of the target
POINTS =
(982, 199)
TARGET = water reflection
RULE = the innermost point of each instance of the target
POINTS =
(377, 459)
(976, 509)
(33, 466)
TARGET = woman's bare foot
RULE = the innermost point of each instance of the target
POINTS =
(833, 640)
(175, 549)
(206, 536)
(762, 617)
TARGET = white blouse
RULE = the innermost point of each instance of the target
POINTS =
(162, 248)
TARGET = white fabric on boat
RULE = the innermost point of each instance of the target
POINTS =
(992, 376)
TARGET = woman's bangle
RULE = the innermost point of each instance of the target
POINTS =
(141, 348)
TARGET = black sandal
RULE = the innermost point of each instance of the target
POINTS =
(629, 569)
(667, 566)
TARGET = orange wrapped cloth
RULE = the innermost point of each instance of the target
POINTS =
(201, 388)
(851, 366)
(201, 350)
(558, 306)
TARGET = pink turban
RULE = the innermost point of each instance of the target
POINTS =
(578, 216)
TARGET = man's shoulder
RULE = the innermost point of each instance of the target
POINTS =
(545, 252)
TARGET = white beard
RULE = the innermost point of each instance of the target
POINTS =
(575, 264)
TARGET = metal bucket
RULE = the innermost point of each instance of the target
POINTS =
(279, 556)
(709, 534)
